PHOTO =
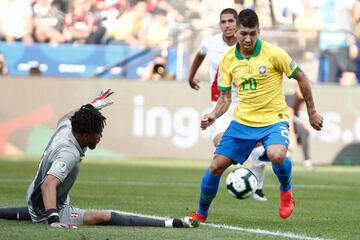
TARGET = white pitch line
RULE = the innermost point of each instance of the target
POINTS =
(236, 228)
(264, 232)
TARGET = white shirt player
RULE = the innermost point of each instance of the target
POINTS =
(215, 47)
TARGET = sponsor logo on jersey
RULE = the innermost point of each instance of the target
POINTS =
(61, 167)
(262, 69)
(74, 214)
(292, 64)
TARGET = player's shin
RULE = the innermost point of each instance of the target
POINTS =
(119, 219)
(283, 173)
(209, 188)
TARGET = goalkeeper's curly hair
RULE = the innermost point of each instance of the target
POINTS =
(88, 120)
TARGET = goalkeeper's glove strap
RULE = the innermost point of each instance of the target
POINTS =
(52, 215)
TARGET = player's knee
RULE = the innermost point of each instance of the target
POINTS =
(102, 217)
(215, 170)
(276, 155)
(218, 165)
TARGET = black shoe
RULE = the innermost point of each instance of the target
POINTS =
(259, 195)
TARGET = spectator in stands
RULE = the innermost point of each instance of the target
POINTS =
(16, 21)
(157, 70)
(107, 12)
(337, 43)
(153, 5)
(157, 30)
(128, 28)
(48, 22)
(62, 5)
(105, 9)
(243, 4)
(356, 20)
(80, 24)
(285, 12)
(3, 69)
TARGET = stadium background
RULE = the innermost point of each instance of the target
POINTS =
(150, 119)
(158, 119)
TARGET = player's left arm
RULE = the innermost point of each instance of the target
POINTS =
(316, 120)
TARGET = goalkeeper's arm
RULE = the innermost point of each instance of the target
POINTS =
(99, 102)
(48, 191)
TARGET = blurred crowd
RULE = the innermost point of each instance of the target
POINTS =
(139, 23)
(332, 25)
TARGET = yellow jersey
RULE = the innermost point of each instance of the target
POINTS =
(259, 80)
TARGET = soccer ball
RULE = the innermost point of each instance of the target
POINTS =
(241, 183)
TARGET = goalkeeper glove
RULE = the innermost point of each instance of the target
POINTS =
(54, 220)
(101, 101)
(61, 225)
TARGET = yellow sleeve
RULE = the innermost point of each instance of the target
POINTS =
(224, 76)
(284, 63)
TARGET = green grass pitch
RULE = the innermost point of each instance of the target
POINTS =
(327, 202)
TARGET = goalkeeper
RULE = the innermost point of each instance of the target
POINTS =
(47, 196)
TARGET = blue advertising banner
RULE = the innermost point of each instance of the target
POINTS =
(69, 60)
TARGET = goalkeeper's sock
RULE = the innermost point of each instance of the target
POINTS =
(119, 219)
(21, 214)
(283, 173)
(209, 188)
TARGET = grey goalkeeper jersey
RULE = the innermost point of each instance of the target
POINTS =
(61, 159)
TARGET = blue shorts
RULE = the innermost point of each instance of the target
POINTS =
(239, 140)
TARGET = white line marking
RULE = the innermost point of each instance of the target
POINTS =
(236, 228)
(264, 232)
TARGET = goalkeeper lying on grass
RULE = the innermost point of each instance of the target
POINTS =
(47, 196)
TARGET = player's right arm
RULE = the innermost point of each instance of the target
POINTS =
(224, 100)
(64, 163)
(198, 59)
(48, 191)
(222, 105)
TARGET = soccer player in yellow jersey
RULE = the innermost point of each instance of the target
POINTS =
(256, 67)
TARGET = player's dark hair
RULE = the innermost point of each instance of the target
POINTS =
(229, 11)
(88, 120)
(247, 18)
